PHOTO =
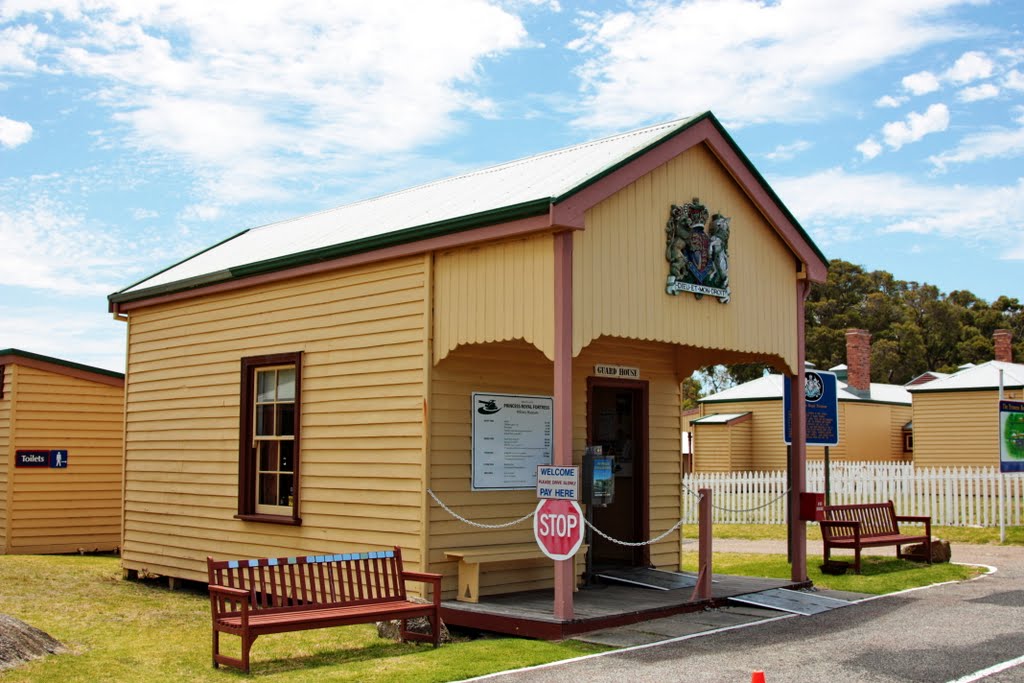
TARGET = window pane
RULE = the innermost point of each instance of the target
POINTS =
(286, 384)
(265, 420)
(267, 492)
(268, 455)
(287, 456)
(286, 419)
(285, 496)
(265, 385)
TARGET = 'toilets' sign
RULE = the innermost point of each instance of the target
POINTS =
(53, 459)
(558, 482)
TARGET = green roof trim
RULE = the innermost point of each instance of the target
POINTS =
(58, 361)
(421, 232)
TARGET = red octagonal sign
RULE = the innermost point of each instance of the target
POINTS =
(558, 527)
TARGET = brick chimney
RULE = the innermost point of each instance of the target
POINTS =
(858, 360)
(1002, 340)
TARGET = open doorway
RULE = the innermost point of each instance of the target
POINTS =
(617, 420)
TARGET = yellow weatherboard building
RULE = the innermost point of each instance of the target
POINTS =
(308, 386)
(61, 433)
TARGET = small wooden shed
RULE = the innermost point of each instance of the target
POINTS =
(323, 383)
(62, 436)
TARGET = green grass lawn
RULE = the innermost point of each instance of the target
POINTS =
(120, 630)
(126, 631)
(953, 534)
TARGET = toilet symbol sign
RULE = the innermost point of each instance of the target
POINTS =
(52, 459)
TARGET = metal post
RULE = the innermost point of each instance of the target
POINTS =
(1002, 477)
(704, 536)
(828, 480)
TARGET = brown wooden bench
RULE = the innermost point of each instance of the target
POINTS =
(250, 598)
(868, 525)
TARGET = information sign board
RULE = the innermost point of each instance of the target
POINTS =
(31, 458)
(1011, 436)
(821, 399)
(512, 436)
(558, 482)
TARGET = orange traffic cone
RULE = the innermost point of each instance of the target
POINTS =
(757, 677)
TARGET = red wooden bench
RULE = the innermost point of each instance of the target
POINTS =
(869, 525)
(250, 598)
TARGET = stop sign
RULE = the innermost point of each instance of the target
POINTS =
(558, 527)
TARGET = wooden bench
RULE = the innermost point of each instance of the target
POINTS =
(868, 525)
(250, 598)
(471, 558)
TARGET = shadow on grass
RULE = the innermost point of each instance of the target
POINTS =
(272, 665)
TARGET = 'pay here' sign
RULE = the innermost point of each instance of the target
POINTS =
(558, 482)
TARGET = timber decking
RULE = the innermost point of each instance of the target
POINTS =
(530, 614)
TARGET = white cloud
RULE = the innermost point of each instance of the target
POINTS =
(975, 93)
(890, 102)
(140, 214)
(786, 152)
(870, 148)
(747, 61)
(970, 67)
(898, 133)
(886, 202)
(48, 247)
(59, 330)
(252, 95)
(202, 212)
(1014, 80)
(18, 46)
(921, 83)
(14, 133)
(992, 144)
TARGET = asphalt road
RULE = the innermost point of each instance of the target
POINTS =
(933, 635)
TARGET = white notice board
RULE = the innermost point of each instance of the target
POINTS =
(512, 435)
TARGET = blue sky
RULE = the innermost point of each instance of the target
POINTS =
(133, 134)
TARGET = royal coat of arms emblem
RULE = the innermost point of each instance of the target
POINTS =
(697, 253)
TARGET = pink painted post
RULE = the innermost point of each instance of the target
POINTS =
(798, 450)
(565, 570)
(704, 540)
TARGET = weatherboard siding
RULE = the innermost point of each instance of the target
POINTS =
(494, 293)
(77, 508)
(6, 451)
(957, 428)
(620, 270)
(361, 332)
(867, 432)
(518, 368)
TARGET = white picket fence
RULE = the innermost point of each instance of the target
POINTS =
(952, 496)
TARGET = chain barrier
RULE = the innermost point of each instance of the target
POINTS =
(722, 509)
(478, 525)
(628, 543)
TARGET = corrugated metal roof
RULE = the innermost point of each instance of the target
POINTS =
(770, 387)
(718, 418)
(546, 176)
(984, 376)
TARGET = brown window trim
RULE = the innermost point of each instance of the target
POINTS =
(246, 463)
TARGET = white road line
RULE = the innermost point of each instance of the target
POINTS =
(994, 669)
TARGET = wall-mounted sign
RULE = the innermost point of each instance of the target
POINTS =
(512, 436)
(697, 253)
(36, 457)
(821, 401)
(617, 371)
(1011, 436)
(29, 458)
(558, 482)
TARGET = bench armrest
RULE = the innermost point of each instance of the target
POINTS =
(427, 577)
(221, 594)
(842, 524)
(918, 518)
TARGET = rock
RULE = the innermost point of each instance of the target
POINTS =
(390, 629)
(20, 643)
(918, 552)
